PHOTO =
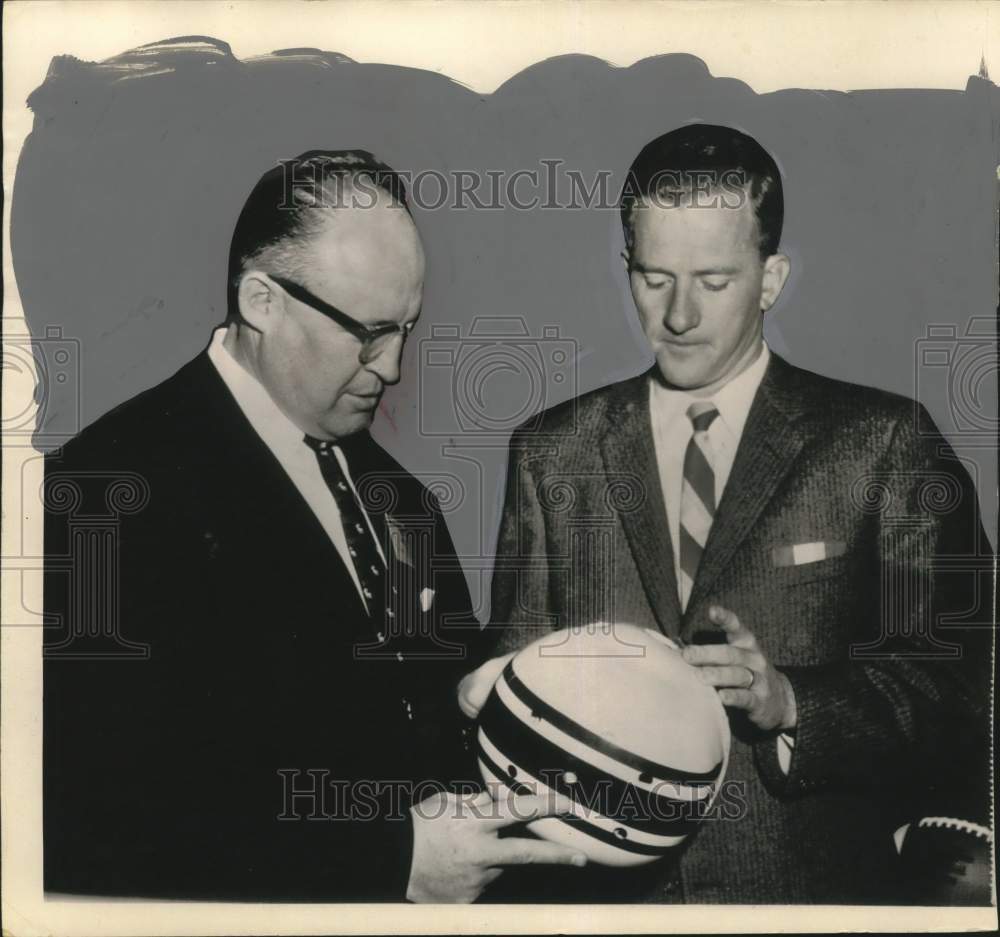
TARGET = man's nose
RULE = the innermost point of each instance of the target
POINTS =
(681, 314)
(385, 363)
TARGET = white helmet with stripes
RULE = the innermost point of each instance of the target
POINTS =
(615, 719)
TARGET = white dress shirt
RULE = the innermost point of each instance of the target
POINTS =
(672, 431)
(287, 442)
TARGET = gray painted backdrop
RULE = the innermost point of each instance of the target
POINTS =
(131, 180)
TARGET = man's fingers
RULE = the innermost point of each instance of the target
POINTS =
(736, 631)
(519, 851)
(720, 655)
(724, 618)
(467, 699)
(526, 807)
(490, 876)
(481, 801)
(474, 688)
(738, 699)
(736, 677)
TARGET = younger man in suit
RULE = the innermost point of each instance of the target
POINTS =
(789, 530)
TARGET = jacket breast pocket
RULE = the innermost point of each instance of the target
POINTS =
(813, 571)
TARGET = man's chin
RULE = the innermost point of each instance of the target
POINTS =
(683, 375)
(347, 424)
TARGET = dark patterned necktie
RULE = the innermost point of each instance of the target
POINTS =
(697, 497)
(361, 546)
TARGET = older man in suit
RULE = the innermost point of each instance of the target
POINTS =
(257, 618)
(788, 529)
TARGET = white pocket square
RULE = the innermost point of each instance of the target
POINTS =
(426, 600)
(798, 554)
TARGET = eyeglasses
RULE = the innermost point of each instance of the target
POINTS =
(374, 338)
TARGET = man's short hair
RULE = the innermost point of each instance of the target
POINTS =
(288, 204)
(707, 158)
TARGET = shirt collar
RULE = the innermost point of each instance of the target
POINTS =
(267, 419)
(733, 400)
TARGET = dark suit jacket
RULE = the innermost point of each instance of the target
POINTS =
(202, 665)
(892, 698)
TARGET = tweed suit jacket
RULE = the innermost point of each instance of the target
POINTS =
(892, 699)
(216, 725)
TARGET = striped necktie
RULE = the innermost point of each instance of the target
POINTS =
(697, 497)
(360, 543)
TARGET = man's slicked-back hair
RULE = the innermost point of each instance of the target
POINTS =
(700, 158)
(288, 205)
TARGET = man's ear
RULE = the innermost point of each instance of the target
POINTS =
(776, 270)
(260, 303)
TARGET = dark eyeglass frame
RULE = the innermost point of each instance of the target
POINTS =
(366, 334)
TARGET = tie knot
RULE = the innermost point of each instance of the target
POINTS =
(322, 447)
(701, 414)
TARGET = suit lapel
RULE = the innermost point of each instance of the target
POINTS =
(770, 444)
(257, 482)
(627, 450)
